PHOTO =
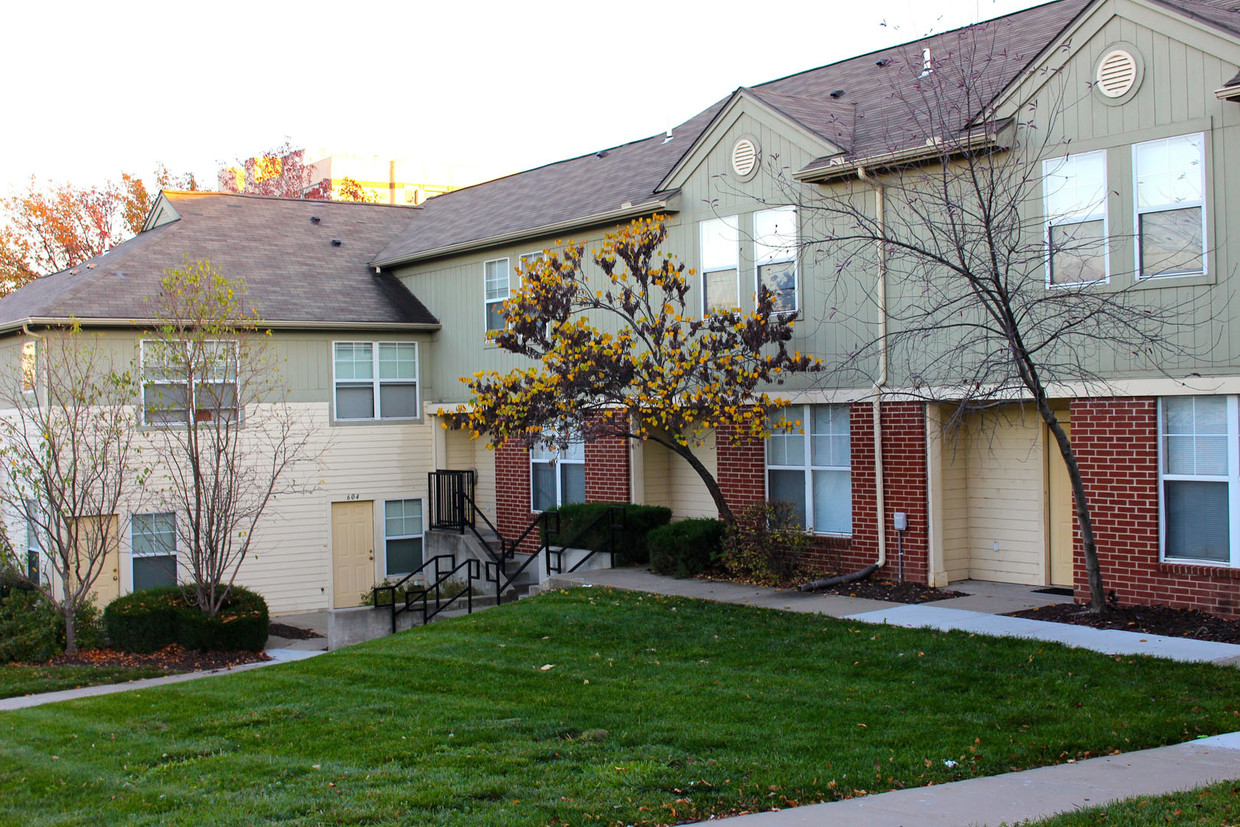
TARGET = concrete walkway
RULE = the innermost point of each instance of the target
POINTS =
(280, 650)
(999, 799)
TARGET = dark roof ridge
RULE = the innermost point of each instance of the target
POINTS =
(257, 197)
(895, 46)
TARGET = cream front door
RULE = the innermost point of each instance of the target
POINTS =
(1059, 504)
(353, 552)
(107, 585)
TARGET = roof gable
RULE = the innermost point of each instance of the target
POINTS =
(821, 127)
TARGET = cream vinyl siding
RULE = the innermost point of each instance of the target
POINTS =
(955, 499)
(671, 482)
(462, 453)
(1005, 479)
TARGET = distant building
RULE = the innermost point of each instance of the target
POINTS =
(340, 177)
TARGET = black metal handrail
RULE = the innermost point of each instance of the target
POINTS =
(444, 486)
(471, 567)
(504, 552)
(617, 517)
(392, 587)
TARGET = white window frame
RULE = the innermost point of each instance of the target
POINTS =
(146, 346)
(1138, 211)
(488, 300)
(377, 383)
(30, 367)
(33, 545)
(557, 459)
(387, 537)
(1082, 214)
(805, 414)
(134, 554)
(728, 228)
(1232, 479)
(778, 249)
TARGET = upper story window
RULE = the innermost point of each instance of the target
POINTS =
(1199, 479)
(1076, 218)
(720, 250)
(810, 466)
(557, 476)
(189, 380)
(1170, 205)
(375, 377)
(775, 254)
(495, 284)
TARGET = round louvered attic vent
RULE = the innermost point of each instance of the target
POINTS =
(744, 157)
(1117, 73)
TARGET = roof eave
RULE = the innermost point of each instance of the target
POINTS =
(1228, 93)
(665, 204)
(841, 167)
(123, 324)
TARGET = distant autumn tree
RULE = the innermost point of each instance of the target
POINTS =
(280, 172)
(661, 376)
(50, 227)
(351, 190)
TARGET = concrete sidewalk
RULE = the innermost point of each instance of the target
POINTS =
(980, 610)
(999, 799)
(1033, 794)
(280, 650)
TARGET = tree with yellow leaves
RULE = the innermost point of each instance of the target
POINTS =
(616, 353)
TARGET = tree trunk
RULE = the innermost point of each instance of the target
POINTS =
(712, 485)
(71, 647)
(1089, 546)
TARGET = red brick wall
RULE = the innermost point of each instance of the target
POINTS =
(1116, 444)
(740, 469)
(607, 480)
(904, 488)
(607, 470)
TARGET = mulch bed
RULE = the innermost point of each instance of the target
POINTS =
(891, 591)
(172, 658)
(291, 632)
(1150, 620)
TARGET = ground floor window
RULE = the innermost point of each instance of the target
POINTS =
(809, 466)
(1199, 479)
(402, 536)
(557, 476)
(33, 549)
(153, 538)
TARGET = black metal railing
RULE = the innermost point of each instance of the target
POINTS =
(423, 596)
(447, 509)
(391, 588)
(616, 517)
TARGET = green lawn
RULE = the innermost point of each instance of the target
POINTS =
(31, 679)
(1217, 805)
(593, 706)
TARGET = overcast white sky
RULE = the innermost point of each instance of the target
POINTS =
(96, 88)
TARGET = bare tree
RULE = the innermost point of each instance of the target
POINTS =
(992, 285)
(68, 448)
(227, 441)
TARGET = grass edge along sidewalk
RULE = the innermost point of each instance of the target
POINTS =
(595, 705)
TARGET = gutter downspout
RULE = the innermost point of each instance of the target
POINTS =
(877, 390)
(880, 216)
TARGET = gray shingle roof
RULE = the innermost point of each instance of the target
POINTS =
(294, 274)
(595, 185)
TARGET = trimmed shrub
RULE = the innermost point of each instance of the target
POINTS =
(151, 619)
(32, 630)
(28, 624)
(146, 620)
(241, 624)
(630, 542)
(686, 548)
(766, 545)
